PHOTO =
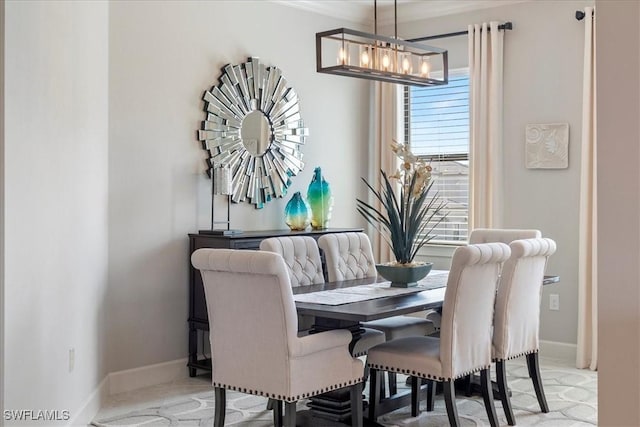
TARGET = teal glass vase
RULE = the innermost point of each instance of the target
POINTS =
(296, 213)
(320, 200)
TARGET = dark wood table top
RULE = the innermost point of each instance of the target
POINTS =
(379, 308)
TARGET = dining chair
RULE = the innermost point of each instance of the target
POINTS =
(517, 315)
(350, 256)
(302, 257)
(503, 235)
(254, 343)
(490, 235)
(464, 345)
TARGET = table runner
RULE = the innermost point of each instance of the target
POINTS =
(435, 279)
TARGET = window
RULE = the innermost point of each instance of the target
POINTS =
(437, 129)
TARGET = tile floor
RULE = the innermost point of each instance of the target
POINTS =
(571, 394)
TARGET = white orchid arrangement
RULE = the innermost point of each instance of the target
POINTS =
(406, 221)
(411, 166)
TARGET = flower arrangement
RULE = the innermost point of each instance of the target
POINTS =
(403, 219)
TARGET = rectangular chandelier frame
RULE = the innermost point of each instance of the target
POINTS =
(380, 58)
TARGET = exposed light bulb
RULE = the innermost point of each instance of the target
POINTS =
(424, 68)
(364, 59)
(342, 56)
(406, 65)
(385, 61)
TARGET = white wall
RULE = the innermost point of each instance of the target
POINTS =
(2, 208)
(162, 56)
(55, 184)
(542, 84)
(618, 106)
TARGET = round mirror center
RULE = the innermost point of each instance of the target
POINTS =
(256, 133)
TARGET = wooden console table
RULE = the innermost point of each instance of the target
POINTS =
(198, 318)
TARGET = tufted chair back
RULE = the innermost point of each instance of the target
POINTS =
(348, 256)
(254, 342)
(506, 235)
(490, 235)
(467, 312)
(517, 310)
(301, 255)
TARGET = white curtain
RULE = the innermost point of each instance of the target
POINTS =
(386, 119)
(587, 355)
(485, 91)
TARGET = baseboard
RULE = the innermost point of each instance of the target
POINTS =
(145, 376)
(92, 405)
(128, 380)
(558, 350)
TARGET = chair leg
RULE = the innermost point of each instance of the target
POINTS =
(289, 414)
(415, 396)
(220, 406)
(501, 374)
(487, 396)
(276, 405)
(431, 395)
(366, 378)
(393, 385)
(468, 385)
(356, 405)
(366, 372)
(534, 370)
(374, 392)
(450, 403)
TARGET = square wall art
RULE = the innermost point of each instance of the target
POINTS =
(547, 146)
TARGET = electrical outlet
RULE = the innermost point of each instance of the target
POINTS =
(554, 302)
(72, 359)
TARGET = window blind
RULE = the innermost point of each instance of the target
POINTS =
(437, 129)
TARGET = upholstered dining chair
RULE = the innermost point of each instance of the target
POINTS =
(302, 257)
(350, 256)
(254, 343)
(490, 235)
(503, 235)
(517, 315)
(464, 345)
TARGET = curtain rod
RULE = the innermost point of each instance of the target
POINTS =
(505, 26)
(580, 14)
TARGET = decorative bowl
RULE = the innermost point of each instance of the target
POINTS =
(403, 276)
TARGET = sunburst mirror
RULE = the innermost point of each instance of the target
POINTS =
(253, 127)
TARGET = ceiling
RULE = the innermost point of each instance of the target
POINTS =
(361, 11)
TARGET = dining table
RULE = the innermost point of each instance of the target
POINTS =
(346, 305)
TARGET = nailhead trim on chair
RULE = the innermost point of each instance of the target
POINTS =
(515, 356)
(423, 375)
(288, 398)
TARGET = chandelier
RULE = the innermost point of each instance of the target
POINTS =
(363, 55)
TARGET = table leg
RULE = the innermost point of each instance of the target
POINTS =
(323, 324)
(473, 386)
(334, 407)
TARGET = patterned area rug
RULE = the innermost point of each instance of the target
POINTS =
(571, 394)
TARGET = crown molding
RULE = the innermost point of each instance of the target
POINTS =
(361, 11)
(356, 11)
(413, 10)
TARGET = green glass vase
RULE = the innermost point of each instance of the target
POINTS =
(320, 200)
(296, 213)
